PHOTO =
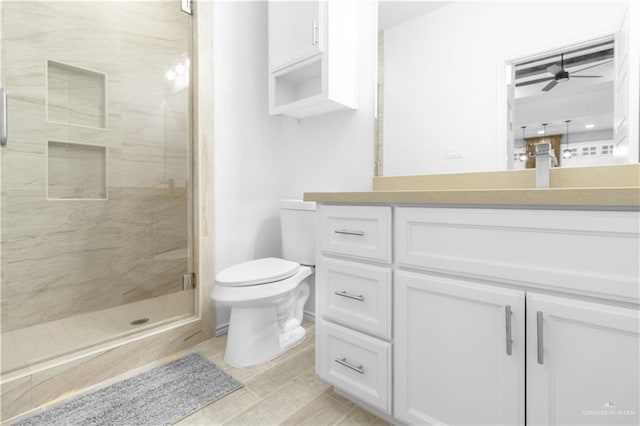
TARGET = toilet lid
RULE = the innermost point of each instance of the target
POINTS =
(254, 272)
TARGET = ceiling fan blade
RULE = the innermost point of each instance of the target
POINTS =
(554, 69)
(592, 66)
(550, 86)
(536, 81)
(585, 76)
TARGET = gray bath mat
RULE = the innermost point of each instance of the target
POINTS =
(160, 396)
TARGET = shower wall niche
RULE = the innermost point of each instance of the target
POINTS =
(96, 180)
(76, 171)
(76, 96)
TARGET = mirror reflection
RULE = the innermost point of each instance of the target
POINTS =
(564, 98)
(470, 86)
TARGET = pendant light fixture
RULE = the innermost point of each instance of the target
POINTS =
(523, 154)
(566, 153)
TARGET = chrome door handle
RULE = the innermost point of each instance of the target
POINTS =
(315, 32)
(347, 232)
(507, 318)
(540, 337)
(344, 362)
(349, 295)
(4, 118)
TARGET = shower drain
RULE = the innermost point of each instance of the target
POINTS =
(140, 321)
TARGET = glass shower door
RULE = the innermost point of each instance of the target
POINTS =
(96, 225)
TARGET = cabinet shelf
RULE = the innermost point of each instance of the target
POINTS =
(299, 83)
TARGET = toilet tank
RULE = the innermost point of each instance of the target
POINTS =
(298, 227)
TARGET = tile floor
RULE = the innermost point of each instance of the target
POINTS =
(284, 391)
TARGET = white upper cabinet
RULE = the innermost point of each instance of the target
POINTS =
(313, 56)
(296, 31)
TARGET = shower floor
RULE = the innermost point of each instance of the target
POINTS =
(26, 346)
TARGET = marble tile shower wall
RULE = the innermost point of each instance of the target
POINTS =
(62, 257)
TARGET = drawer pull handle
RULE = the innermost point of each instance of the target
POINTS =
(539, 324)
(349, 295)
(507, 317)
(347, 232)
(344, 362)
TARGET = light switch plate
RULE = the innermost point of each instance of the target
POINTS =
(454, 152)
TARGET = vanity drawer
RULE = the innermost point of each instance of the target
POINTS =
(354, 294)
(593, 253)
(362, 232)
(355, 363)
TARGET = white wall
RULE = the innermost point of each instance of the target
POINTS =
(260, 159)
(442, 73)
(247, 146)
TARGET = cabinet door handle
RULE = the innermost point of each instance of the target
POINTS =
(507, 318)
(540, 337)
(347, 232)
(344, 362)
(4, 118)
(315, 32)
(349, 295)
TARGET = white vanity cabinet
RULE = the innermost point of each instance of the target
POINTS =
(353, 293)
(312, 57)
(494, 310)
(450, 351)
(591, 348)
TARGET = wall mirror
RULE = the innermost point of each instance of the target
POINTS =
(461, 83)
(565, 97)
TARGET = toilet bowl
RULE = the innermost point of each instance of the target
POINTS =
(267, 295)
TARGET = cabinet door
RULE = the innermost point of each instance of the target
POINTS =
(582, 362)
(295, 31)
(453, 363)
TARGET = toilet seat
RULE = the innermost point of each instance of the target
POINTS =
(257, 272)
(259, 294)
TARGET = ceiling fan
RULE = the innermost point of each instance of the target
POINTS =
(561, 75)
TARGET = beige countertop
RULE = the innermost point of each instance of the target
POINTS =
(606, 197)
(600, 186)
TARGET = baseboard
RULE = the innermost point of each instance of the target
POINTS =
(221, 329)
(309, 316)
(224, 328)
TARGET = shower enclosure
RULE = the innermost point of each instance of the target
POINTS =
(96, 178)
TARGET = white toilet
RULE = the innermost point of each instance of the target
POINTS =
(267, 296)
